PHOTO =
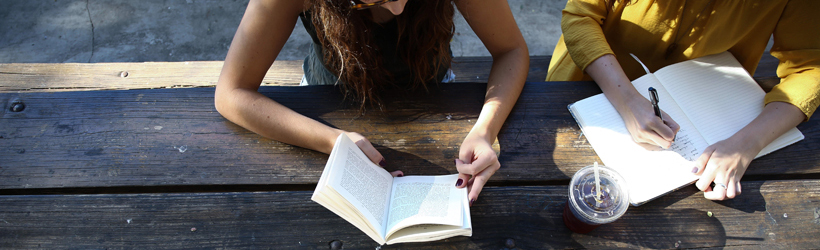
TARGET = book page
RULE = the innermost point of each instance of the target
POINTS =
(719, 97)
(425, 200)
(715, 92)
(427, 232)
(362, 183)
(688, 142)
(431, 232)
(648, 173)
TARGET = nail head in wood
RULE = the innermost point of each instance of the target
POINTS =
(123, 74)
(509, 243)
(336, 245)
(17, 106)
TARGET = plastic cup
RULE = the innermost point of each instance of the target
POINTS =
(585, 211)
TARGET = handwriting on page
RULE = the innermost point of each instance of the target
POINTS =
(366, 185)
(685, 146)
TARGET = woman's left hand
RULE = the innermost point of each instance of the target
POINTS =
(724, 163)
(476, 162)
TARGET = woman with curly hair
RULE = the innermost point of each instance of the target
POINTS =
(365, 46)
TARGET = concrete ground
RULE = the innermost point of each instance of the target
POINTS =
(58, 31)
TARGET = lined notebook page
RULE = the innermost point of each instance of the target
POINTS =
(718, 96)
(715, 92)
(688, 143)
(648, 173)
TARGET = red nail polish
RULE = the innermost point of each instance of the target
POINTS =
(400, 175)
(455, 161)
(382, 163)
(471, 202)
(459, 182)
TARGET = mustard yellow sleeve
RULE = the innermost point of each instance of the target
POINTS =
(581, 24)
(797, 46)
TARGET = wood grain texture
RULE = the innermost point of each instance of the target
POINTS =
(173, 137)
(53, 77)
(771, 214)
(168, 140)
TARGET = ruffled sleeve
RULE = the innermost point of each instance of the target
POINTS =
(797, 46)
(581, 26)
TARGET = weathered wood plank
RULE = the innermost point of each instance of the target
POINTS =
(175, 137)
(772, 214)
(52, 77)
(477, 69)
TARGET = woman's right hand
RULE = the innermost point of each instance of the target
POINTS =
(370, 151)
(647, 129)
(644, 126)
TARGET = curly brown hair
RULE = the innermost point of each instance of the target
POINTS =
(425, 29)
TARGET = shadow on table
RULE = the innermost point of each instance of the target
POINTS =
(750, 201)
(671, 222)
(411, 164)
(653, 228)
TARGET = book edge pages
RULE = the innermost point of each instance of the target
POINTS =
(461, 193)
(792, 136)
(465, 230)
(360, 223)
(321, 196)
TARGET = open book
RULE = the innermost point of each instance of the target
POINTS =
(391, 209)
(711, 98)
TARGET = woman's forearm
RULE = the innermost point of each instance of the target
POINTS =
(775, 120)
(263, 31)
(507, 78)
(263, 116)
(610, 77)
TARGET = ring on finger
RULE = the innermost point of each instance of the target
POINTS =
(720, 184)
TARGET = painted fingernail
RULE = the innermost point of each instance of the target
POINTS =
(455, 161)
(459, 182)
(471, 202)
(383, 163)
(695, 170)
(400, 175)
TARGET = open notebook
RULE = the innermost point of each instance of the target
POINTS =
(711, 98)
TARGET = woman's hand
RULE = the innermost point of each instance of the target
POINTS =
(644, 126)
(724, 163)
(370, 151)
(647, 129)
(476, 162)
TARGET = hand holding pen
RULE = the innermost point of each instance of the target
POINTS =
(653, 97)
(649, 131)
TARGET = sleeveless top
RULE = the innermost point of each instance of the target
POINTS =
(317, 73)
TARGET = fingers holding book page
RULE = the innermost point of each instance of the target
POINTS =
(369, 150)
(646, 128)
(475, 183)
(477, 162)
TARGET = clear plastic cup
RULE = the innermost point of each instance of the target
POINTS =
(585, 211)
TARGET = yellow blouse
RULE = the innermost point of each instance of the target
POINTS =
(647, 27)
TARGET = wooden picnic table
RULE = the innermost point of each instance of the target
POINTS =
(158, 168)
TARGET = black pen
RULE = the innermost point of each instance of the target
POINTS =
(653, 96)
